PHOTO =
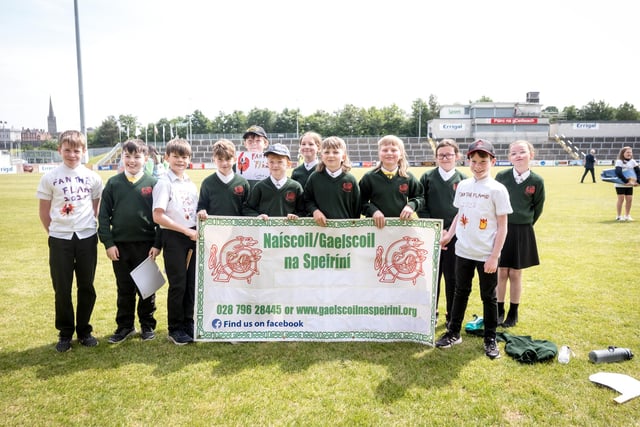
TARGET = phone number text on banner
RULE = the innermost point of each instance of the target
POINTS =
(280, 280)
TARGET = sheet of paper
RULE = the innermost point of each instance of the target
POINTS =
(148, 277)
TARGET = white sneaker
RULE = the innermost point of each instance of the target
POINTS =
(619, 218)
(628, 218)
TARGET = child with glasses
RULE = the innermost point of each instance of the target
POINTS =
(439, 190)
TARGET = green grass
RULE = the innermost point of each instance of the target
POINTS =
(584, 294)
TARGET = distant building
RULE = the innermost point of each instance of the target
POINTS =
(34, 137)
(51, 121)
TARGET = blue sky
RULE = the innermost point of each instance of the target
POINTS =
(165, 58)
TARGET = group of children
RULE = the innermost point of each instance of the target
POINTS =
(140, 216)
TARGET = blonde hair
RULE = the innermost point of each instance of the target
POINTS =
(523, 142)
(315, 137)
(335, 143)
(73, 138)
(403, 164)
(224, 149)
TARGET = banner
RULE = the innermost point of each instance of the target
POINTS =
(252, 166)
(282, 280)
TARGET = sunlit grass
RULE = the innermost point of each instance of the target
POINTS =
(585, 294)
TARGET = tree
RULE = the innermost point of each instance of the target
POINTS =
(597, 111)
(200, 124)
(286, 121)
(235, 122)
(107, 135)
(320, 121)
(627, 111)
(484, 98)
(262, 117)
(127, 125)
(571, 112)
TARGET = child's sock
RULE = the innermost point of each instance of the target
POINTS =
(512, 316)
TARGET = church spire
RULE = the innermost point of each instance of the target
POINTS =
(51, 121)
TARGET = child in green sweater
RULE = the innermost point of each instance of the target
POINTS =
(389, 189)
(526, 193)
(439, 191)
(309, 146)
(129, 235)
(224, 192)
(332, 192)
(276, 195)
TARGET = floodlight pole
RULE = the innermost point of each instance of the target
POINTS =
(79, 59)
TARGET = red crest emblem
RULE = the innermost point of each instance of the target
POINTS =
(347, 187)
(403, 188)
(290, 196)
(238, 190)
(146, 191)
(531, 189)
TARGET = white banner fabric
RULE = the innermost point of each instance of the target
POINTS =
(281, 280)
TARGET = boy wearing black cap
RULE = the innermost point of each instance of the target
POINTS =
(480, 228)
(255, 141)
(276, 195)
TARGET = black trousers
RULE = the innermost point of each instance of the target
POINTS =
(488, 281)
(448, 270)
(131, 255)
(587, 170)
(181, 275)
(67, 257)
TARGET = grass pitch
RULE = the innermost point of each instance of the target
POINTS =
(585, 294)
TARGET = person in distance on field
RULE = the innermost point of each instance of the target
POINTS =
(628, 171)
(589, 164)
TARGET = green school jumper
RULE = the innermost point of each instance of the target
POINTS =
(221, 199)
(302, 174)
(265, 198)
(389, 196)
(337, 198)
(439, 195)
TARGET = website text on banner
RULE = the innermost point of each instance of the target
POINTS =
(281, 280)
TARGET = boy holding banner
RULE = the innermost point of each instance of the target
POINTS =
(175, 199)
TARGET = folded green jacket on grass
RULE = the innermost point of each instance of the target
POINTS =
(523, 348)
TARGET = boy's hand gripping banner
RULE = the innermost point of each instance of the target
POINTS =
(280, 280)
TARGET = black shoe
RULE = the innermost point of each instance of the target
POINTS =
(121, 334)
(448, 340)
(88, 340)
(491, 348)
(179, 337)
(510, 322)
(64, 344)
(147, 333)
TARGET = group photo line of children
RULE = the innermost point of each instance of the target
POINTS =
(140, 213)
